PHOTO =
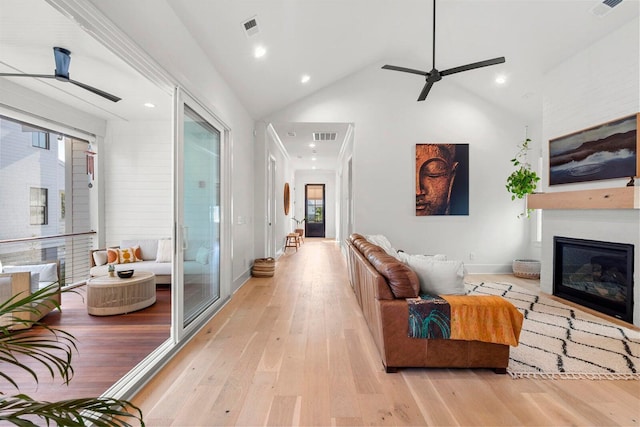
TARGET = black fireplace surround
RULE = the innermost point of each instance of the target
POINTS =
(598, 275)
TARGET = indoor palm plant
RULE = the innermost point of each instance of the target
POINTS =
(18, 346)
(523, 180)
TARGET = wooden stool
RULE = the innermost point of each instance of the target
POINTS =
(291, 241)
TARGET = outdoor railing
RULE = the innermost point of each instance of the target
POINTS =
(71, 250)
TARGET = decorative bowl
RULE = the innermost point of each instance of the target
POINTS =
(125, 274)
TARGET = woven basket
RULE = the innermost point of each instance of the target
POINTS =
(526, 268)
(263, 267)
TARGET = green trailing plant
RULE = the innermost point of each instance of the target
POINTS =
(20, 347)
(523, 180)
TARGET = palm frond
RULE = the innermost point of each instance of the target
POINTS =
(21, 410)
(54, 352)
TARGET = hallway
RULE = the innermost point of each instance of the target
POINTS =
(294, 350)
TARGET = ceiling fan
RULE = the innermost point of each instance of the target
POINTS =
(62, 57)
(435, 75)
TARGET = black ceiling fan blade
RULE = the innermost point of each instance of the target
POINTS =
(425, 91)
(40, 76)
(96, 91)
(473, 66)
(405, 70)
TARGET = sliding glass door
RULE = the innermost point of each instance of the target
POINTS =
(199, 213)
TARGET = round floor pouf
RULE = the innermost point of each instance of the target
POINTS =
(526, 268)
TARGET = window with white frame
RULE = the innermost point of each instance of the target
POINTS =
(38, 205)
(40, 140)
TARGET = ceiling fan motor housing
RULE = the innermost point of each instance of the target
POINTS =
(63, 59)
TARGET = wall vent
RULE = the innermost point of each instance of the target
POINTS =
(324, 136)
(250, 27)
(604, 7)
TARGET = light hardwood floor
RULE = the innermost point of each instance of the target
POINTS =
(294, 350)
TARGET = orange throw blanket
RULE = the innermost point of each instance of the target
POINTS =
(487, 318)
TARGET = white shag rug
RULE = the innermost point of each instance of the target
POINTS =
(561, 342)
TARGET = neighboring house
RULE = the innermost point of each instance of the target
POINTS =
(43, 194)
(32, 183)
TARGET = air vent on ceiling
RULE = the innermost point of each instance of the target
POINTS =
(324, 136)
(604, 7)
(250, 27)
(291, 134)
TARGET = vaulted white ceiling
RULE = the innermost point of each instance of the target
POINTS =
(326, 39)
(332, 39)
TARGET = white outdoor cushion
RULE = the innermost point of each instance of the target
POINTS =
(164, 251)
(438, 277)
(48, 272)
(34, 285)
(148, 247)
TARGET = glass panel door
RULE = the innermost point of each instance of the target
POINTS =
(200, 220)
(314, 202)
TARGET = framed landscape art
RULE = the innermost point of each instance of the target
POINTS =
(605, 151)
(442, 179)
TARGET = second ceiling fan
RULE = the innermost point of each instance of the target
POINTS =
(435, 75)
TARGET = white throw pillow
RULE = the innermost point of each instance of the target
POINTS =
(404, 257)
(100, 258)
(383, 242)
(438, 277)
(164, 251)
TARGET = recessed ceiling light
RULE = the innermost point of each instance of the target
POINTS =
(305, 78)
(501, 79)
(313, 144)
(259, 51)
(313, 167)
(313, 158)
(149, 105)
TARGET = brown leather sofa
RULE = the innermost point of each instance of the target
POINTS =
(381, 284)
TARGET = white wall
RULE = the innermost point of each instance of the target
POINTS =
(137, 180)
(155, 28)
(326, 177)
(388, 122)
(596, 85)
(344, 198)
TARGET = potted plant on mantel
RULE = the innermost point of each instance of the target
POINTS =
(520, 183)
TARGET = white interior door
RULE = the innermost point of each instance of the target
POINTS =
(271, 207)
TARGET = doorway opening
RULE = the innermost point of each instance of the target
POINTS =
(314, 210)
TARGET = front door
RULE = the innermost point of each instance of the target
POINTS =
(315, 210)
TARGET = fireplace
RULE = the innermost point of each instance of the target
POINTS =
(598, 275)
